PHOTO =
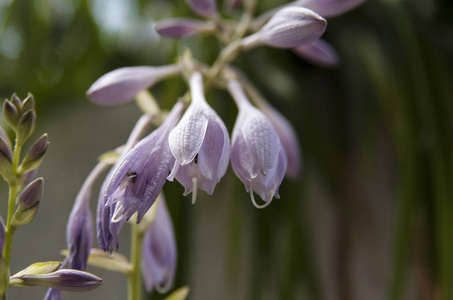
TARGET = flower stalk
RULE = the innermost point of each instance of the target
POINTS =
(134, 277)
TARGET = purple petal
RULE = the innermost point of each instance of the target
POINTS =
(288, 139)
(290, 27)
(53, 294)
(180, 28)
(123, 84)
(319, 53)
(79, 235)
(65, 280)
(159, 251)
(329, 8)
(205, 8)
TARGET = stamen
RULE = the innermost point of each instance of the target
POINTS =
(262, 205)
(194, 190)
(163, 289)
(118, 214)
(129, 177)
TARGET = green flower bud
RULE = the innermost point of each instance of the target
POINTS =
(35, 155)
(28, 103)
(6, 161)
(26, 126)
(17, 102)
(11, 114)
(28, 201)
(38, 268)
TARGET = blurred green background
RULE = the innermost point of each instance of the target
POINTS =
(371, 217)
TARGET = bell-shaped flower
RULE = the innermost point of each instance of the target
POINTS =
(205, 8)
(181, 28)
(122, 85)
(159, 253)
(288, 139)
(140, 175)
(290, 27)
(200, 144)
(80, 227)
(257, 157)
(319, 53)
(328, 8)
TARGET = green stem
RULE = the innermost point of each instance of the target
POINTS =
(135, 279)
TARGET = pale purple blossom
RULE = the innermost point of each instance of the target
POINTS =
(329, 8)
(64, 280)
(159, 253)
(290, 27)
(181, 28)
(319, 53)
(141, 174)
(122, 85)
(205, 8)
(200, 144)
(257, 157)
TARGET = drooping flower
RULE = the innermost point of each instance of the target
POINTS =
(290, 27)
(200, 144)
(329, 8)
(122, 85)
(139, 177)
(319, 53)
(257, 156)
(181, 28)
(159, 253)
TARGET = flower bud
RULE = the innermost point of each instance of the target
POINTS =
(28, 103)
(65, 280)
(5, 137)
(180, 28)
(35, 154)
(6, 161)
(10, 113)
(15, 100)
(290, 27)
(205, 8)
(26, 125)
(329, 8)
(319, 53)
(28, 201)
(122, 85)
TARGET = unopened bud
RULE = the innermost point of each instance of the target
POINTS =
(26, 125)
(38, 268)
(180, 28)
(28, 103)
(64, 280)
(205, 8)
(10, 113)
(35, 154)
(28, 201)
(6, 161)
(17, 102)
(290, 27)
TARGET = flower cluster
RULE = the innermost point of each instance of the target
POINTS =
(192, 144)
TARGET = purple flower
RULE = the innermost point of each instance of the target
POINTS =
(329, 8)
(139, 177)
(205, 8)
(200, 145)
(122, 85)
(319, 52)
(64, 280)
(288, 139)
(159, 251)
(290, 27)
(257, 157)
(53, 294)
(180, 28)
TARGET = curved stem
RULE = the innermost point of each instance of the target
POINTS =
(135, 279)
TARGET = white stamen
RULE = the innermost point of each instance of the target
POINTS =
(163, 289)
(118, 214)
(194, 190)
(262, 205)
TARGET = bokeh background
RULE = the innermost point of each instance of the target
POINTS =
(371, 216)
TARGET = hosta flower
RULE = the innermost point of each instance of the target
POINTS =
(64, 280)
(205, 8)
(200, 144)
(257, 157)
(319, 52)
(139, 177)
(180, 28)
(122, 85)
(290, 27)
(159, 251)
(329, 8)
